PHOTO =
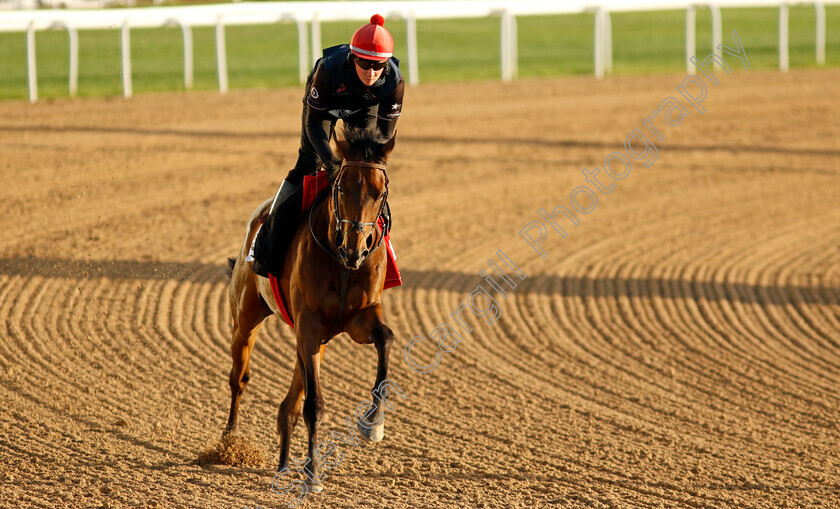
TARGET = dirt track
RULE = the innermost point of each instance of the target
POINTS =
(680, 348)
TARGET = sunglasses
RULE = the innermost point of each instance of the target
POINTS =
(370, 64)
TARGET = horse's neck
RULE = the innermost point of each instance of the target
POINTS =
(321, 214)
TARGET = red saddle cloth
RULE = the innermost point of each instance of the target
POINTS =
(312, 187)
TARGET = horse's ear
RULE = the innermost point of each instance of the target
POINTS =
(388, 147)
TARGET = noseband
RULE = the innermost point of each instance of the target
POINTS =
(357, 226)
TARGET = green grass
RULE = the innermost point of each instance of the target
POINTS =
(449, 50)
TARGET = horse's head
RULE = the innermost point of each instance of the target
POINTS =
(360, 189)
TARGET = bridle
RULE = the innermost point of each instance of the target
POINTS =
(357, 226)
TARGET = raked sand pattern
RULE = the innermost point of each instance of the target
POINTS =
(679, 348)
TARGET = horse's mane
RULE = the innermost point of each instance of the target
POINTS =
(367, 143)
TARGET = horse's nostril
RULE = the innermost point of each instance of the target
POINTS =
(369, 240)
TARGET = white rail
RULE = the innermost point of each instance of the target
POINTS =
(305, 14)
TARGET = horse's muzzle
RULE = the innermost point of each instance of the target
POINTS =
(351, 258)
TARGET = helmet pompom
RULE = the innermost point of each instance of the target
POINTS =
(377, 19)
(373, 41)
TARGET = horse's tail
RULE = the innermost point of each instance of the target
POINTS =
(231, 265)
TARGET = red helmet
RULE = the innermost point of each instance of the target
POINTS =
(372, 41)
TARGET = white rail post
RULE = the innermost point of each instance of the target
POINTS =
(221, 55)
(73, 36)
(514, 48)
(505, 45)
(819, 7)
(303, 50)
(599, 43)
(783, 37)
(126, 58)
(716, 33)
(316, 37)
(608, 54)
(411, 39)
(690, 36)
(31, 65)
(188, 55)
(74, 60)
(186, 31)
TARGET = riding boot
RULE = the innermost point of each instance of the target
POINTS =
(286, 189)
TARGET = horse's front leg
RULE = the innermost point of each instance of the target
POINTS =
(311, 353)
(287, 416)
(369, 328)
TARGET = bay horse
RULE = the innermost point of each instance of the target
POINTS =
(332, 280)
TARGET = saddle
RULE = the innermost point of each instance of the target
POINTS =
(275, 236)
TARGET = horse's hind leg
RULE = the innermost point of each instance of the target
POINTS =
(240, 373)
(248, 313)
(368, 328)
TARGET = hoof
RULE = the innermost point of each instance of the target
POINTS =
(374, 434)
(314, 487)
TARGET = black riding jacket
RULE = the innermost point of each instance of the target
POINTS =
(334, 91)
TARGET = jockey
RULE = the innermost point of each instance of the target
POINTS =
(360, 84)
